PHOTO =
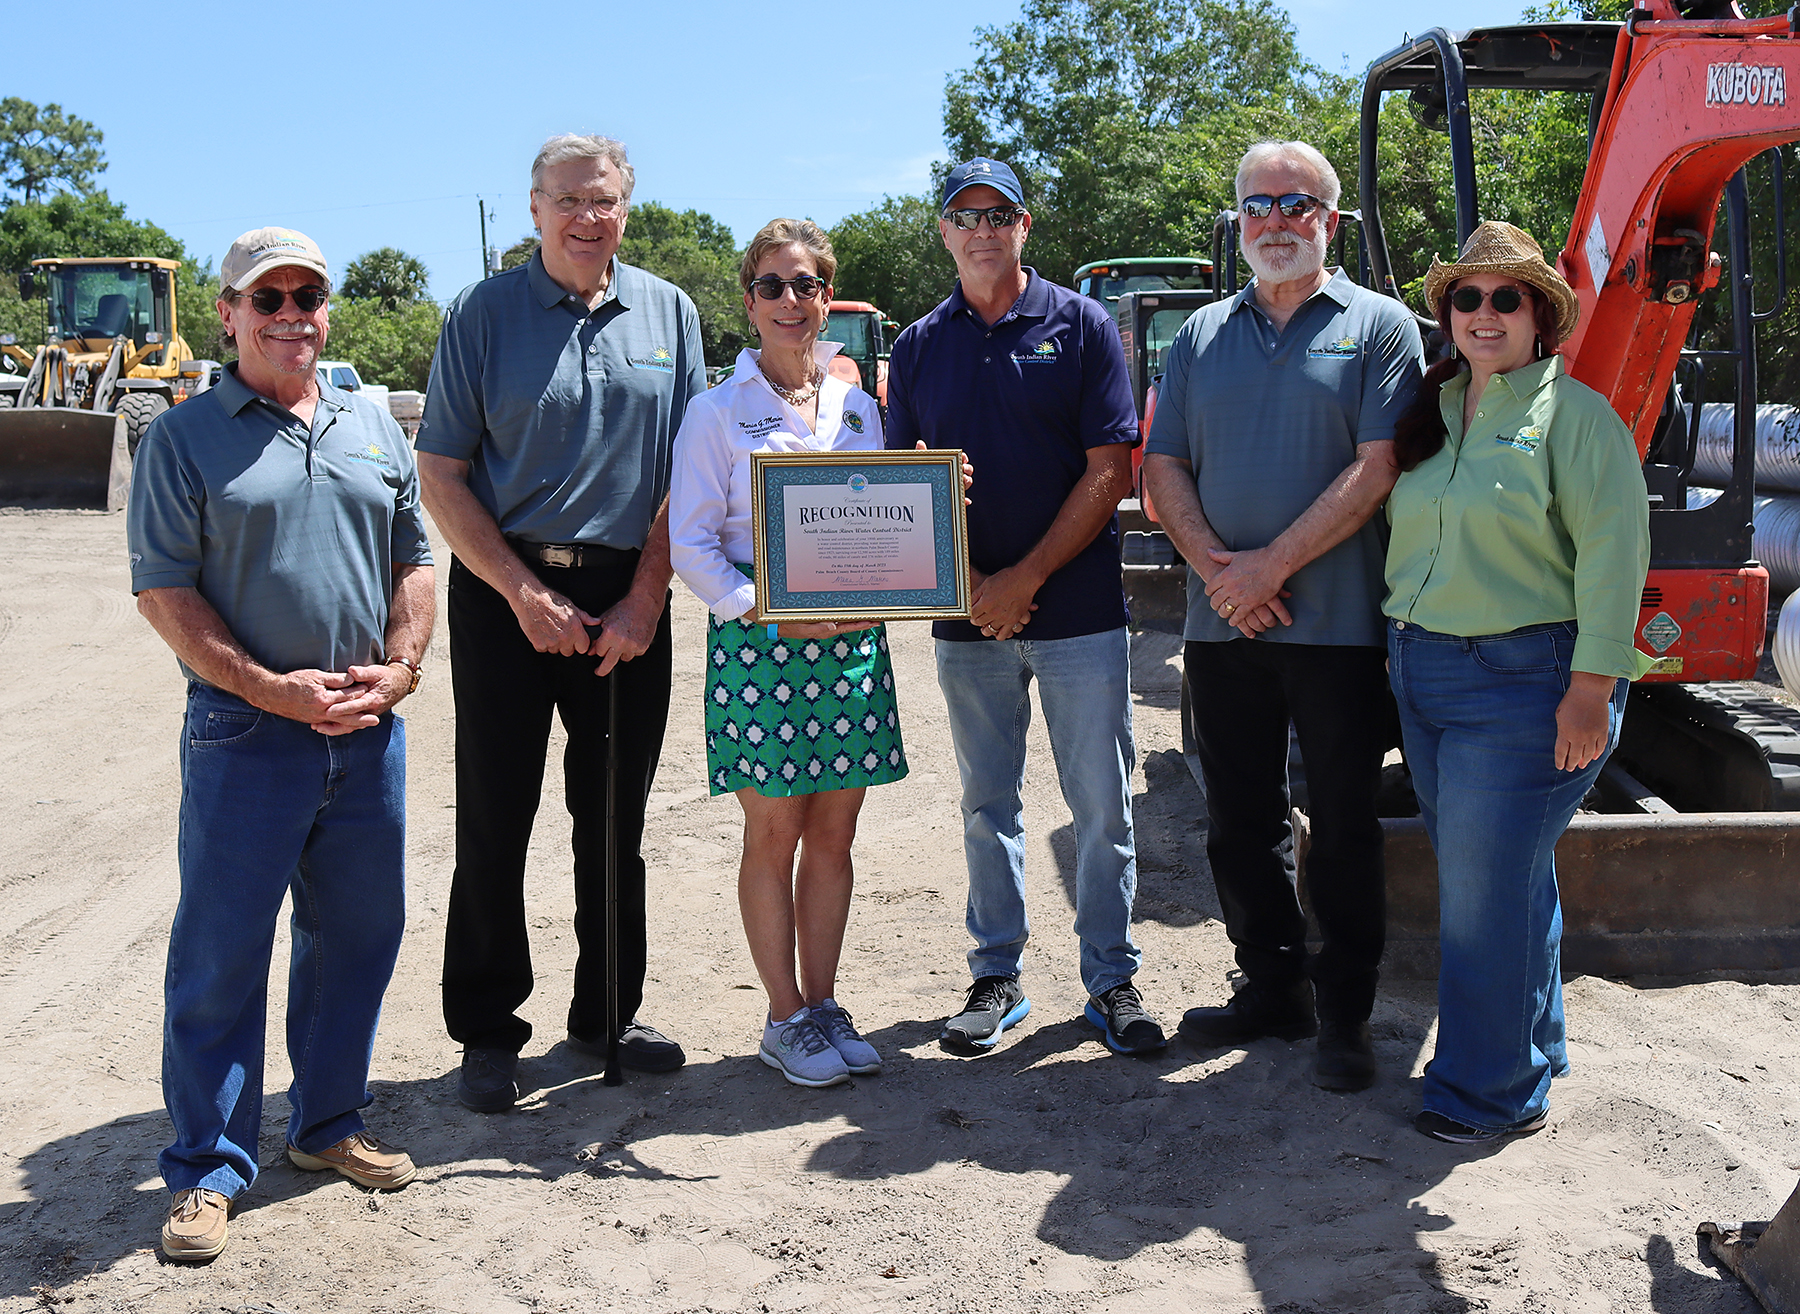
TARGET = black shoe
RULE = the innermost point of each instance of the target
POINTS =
(1285, 1012)
(1440, 1128)
(641, 1048)
(489, 1080)
(1125, 1028)
(994, 1003)
(1346, 1057)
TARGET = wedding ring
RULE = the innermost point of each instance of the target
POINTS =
(1229, 608)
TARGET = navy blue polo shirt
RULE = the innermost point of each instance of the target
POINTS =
(1025, 399)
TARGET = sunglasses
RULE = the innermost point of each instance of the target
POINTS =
(268, 300)
(1505, 300)
(1292, 206)
(806, 286)
(998, 216)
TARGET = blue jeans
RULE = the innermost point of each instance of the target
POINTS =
(1084, 687)
(270, 805)
(1479, 721)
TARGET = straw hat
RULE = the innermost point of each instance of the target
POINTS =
(1499, 248)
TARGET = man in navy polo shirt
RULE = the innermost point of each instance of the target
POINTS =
(277, 547)
(1029, 380)
(1270, 454)
(544, 452)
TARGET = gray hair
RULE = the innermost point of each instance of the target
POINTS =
(567, 146)
(1265, 153)
(777, 233)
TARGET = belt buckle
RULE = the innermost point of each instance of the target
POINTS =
(556, 555)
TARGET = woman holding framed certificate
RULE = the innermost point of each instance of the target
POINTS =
(800, 718)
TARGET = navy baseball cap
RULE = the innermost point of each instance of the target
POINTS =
(982, 171)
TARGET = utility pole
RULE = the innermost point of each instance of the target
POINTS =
(481, 212)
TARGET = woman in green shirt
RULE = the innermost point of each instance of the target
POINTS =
(1520, 541)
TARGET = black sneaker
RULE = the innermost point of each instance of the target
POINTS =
(641, 1048)
(1440, 1128)
(1125, 1028)
(1285, 1012)
(1346, 1057)
(994, 1003)
(489, 1080)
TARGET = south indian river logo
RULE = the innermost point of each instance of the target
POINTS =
(1042, 354)
(1526, 440)
(855, 424)
(658, 359)
(372, 454)
(859, 483)
(1343, 347)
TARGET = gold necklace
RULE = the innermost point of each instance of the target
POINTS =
(798, 397)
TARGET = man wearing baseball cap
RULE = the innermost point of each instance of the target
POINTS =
(277, 546)
(1029, 379)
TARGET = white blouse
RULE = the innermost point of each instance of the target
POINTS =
(709, 489)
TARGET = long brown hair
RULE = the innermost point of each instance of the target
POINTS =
(1420, 432)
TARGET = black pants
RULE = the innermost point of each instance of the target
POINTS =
(1244, 692)
(505, 692)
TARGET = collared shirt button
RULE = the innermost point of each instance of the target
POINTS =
(987, 360)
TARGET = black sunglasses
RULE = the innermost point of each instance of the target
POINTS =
(268, 300)
(806, 286)
(1505, 299)
(1292, 206)
(998, 216)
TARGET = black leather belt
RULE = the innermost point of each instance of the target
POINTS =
(572, 554)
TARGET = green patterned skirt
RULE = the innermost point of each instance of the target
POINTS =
(799, 716)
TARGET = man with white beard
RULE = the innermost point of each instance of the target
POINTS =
(1269, 455)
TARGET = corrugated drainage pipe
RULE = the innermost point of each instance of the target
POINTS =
(1777, 445)
(1787, 644)
(1777, 540)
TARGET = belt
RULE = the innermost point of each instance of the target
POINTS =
(572, 554)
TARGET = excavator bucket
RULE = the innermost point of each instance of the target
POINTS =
(1765, 1255)
(54, 456)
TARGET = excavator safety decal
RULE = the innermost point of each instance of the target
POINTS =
(1746, 84)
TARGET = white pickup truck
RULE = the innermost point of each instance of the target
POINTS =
(342, 374)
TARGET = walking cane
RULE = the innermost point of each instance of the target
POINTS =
(613, 1076)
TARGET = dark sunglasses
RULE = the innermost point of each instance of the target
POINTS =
(1292, 206)
(268, 300)
(806, 287)
(998, 216)
(1505, 299)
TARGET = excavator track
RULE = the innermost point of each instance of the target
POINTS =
(1713, 748)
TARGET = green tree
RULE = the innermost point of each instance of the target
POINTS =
(388, 275)
(893, 257)
(42, 149)
(519, 252)
(390, 347)
(697, 254)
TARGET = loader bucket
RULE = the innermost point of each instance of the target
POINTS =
(1765, 1255)
(54, 456)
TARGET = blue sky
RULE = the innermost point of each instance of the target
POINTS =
(368, 125)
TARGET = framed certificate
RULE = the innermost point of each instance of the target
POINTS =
(847, 535)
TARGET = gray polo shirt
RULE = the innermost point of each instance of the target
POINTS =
(291, 532)
(566, 416)
(1269, 419)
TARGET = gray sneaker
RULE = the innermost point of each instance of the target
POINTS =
(858, 1054)
(994, 1003)
(800, 1050)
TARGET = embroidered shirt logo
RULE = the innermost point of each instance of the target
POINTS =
(1343, 348)
(658, 359)
(757, 428)
(854, 423)
(1042, 354)
(372, 454)
(1526, 440)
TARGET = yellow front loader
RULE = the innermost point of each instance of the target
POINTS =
(113, 362)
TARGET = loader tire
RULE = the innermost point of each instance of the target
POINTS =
(139, 408)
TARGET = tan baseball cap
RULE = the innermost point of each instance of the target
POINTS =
(263, 249)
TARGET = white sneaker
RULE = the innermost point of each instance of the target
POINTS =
(798, 1047)
(858, 1054)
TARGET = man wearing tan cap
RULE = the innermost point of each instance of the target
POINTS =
(277, 546)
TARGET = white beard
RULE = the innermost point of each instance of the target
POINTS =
(1285, 257)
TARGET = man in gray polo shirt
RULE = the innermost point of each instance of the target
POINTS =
(277, 547)
(544, 453)
(1269, 455)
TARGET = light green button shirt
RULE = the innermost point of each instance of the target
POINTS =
(1537, 514)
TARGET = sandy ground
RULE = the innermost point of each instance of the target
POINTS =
(1049, 1175)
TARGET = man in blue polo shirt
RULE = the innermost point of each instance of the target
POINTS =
(1269, 456)
(277, 547)
(555, 396)
(1030, 381)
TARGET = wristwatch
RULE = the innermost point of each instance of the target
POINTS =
(418, 672)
